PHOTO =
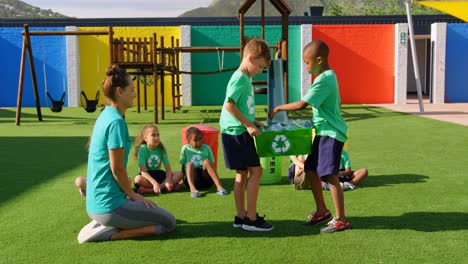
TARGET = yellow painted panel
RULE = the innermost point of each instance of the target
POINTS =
(94, 58)
(455, 8)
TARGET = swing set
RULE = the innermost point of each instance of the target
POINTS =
(90, 105)
(26, 50)
(151, 59)
(57, 105)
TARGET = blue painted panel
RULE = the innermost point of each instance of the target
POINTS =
(456, 65)
(47, 50)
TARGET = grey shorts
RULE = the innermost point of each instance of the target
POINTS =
(135, 214)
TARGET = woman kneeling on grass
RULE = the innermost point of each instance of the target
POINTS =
(117, 212)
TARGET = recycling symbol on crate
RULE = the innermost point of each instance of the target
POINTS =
(280, 144)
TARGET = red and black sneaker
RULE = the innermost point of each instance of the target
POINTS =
(336, 225)
(315, 218)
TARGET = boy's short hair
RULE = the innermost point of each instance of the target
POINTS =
(320, 48)
(259, 48)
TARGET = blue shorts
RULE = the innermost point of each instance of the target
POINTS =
(291, 173)
(202, 179)
(158, 175)
(325, 156)
(239, 152)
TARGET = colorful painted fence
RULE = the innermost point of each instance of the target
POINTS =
(362, 56)
(94, 57)
(49, 53)
(214, 85)
(456, 64)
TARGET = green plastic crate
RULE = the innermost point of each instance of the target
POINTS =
(284, 143)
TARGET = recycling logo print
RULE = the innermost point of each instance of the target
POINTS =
(197, 160)
(280, 144)
(153, 161)
(250, 105)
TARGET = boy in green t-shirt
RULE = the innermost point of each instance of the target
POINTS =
(238, 127)
(330, 130)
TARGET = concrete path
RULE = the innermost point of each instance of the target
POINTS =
(450, 112)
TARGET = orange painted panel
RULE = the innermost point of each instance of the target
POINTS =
(363, 57)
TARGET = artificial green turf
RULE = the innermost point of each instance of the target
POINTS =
(413, 208)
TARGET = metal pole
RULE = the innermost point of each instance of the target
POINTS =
(414, 56)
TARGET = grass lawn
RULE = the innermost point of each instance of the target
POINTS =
(413, 208)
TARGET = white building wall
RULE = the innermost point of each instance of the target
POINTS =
(306, 79)
(186, 65)
(401, 63)
(438, 39)
(73, 68)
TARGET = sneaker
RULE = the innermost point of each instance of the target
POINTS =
(326, 186)
(336, 225)
(258, 224)
(96, 232)
(195, 194)
(314, 218)
(238, 222)
(222, 192)
(347, 186)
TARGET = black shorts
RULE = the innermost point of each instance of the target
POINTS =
(239, 152)
(346, 178)
(158, 175)
(325, 156)
(202, 179)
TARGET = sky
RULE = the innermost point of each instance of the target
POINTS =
(119, 8)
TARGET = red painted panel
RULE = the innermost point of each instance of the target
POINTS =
(363, 57)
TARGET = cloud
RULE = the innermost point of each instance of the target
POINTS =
(119, 8)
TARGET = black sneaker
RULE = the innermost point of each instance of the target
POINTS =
(238, 222)
(258, 225)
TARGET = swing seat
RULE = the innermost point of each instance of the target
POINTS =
(57, 106)
(91, 105)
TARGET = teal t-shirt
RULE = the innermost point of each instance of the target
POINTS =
(324, 97)
(239, 90)
(344, 161)
(110, 131)
(196, 156)
(152, 158)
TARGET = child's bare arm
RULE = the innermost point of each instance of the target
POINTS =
(144, 173)
(346, 172)
(294, 106)
(297, 162)
(258, 123)
(168, 172)
(236, 113)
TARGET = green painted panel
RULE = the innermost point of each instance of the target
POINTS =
(294, 63)
(211, 89)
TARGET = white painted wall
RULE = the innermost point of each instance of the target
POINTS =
(438, 38)
(73, 66)
(186, 65)
(401, 62)
(306, 79)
